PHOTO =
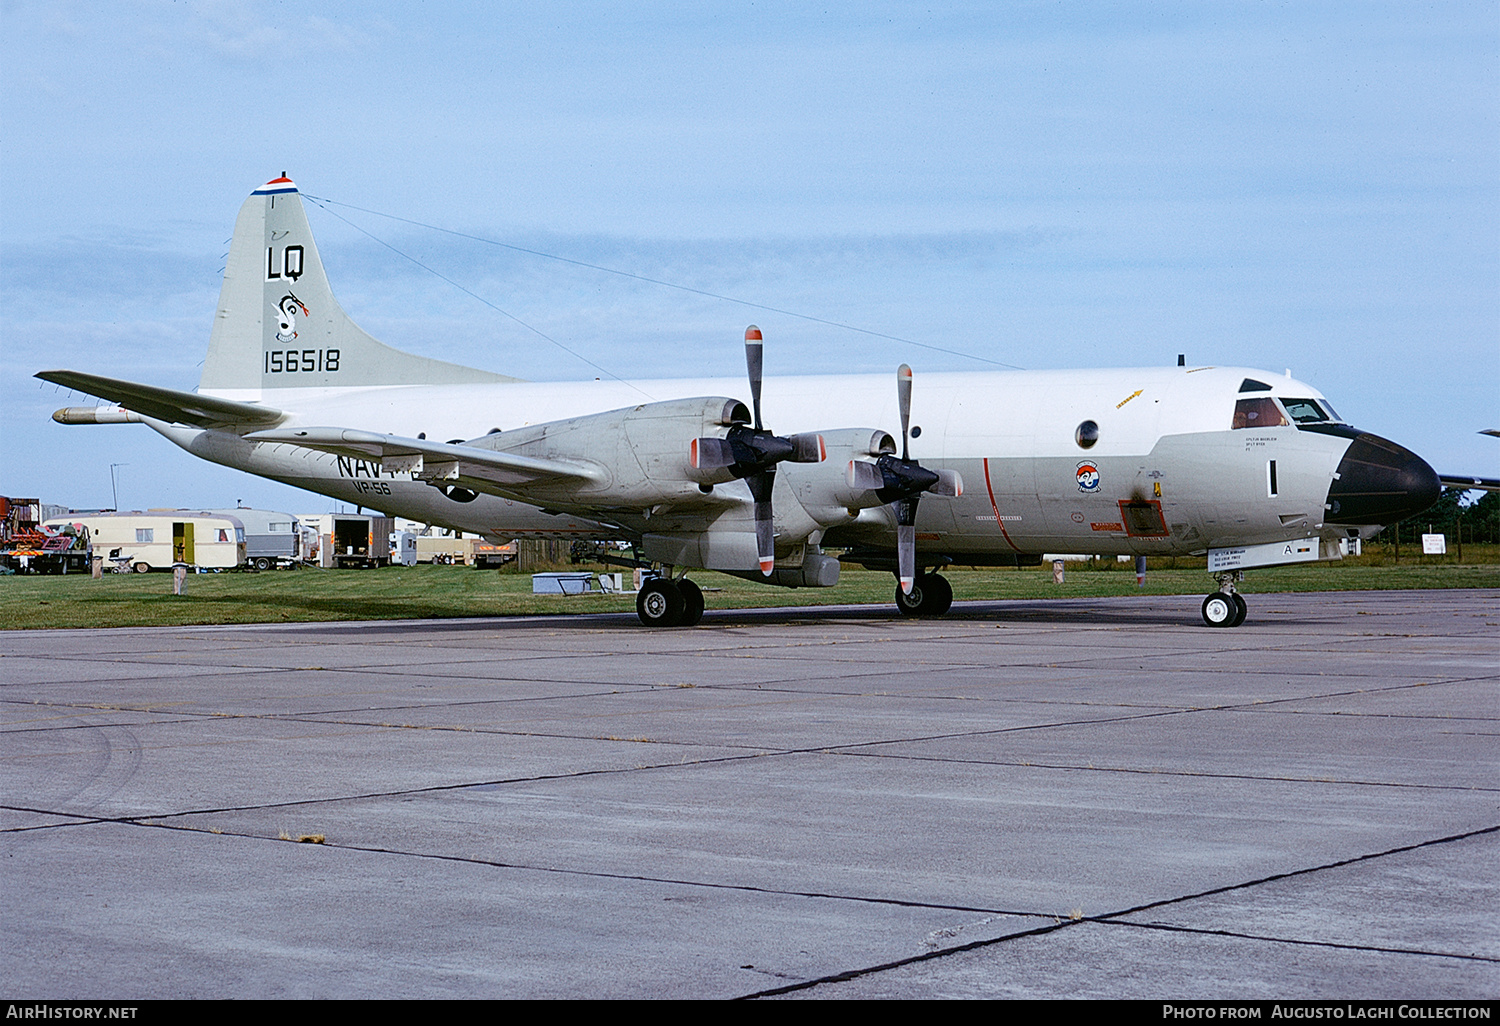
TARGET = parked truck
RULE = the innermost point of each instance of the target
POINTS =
(346, 540)
(489, 555)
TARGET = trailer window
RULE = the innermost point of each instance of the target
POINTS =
(145, 535)
(1258, 413)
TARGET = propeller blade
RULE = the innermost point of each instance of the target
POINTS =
(906, 555)
(864, 476)
(949, 484)
(761, 485)
(808, 448)
(754, 353)
(711, 453)
(903, 396)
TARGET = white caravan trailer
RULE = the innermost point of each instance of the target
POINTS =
(159, 538)
(271, 539)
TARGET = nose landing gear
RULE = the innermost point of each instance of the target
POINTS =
(1225, 607)
(931, 595)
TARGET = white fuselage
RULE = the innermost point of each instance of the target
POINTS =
(1168, 474)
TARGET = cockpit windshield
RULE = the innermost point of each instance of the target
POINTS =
(1265, 412)
(1260, 412)
(1309, 411)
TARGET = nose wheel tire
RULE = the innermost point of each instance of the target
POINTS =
(931, 595)
(1224, 609)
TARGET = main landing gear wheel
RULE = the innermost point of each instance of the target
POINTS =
(931, 595)
(692, 603)
(666, 603)
(659, 603)
(1223, 609)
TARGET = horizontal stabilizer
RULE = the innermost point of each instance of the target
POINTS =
(167, 404)
(430, 461)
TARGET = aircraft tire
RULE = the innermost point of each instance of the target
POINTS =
(910, 605)
(1219, 610)
(1240, 609)
(931, 595)
(937, 594)
(660, 603)
(692, 599)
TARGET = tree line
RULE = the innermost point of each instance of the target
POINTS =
(1478, 520)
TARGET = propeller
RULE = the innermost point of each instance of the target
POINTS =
(751, 452)
(901, 482)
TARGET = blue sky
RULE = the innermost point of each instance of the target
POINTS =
(1310, 185)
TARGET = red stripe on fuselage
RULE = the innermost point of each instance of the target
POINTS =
(998, 522)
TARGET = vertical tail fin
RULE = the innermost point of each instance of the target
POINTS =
(278, 325)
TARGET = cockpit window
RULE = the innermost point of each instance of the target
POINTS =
(1258, 413)
(1251, 385)
(1307, 411)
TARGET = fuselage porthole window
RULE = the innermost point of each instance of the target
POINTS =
(1086, 435)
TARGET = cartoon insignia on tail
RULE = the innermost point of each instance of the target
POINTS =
(287, 309)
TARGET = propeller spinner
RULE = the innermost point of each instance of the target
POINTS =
(752, 452)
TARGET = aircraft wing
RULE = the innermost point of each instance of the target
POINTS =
(166, 404)
(432, 461)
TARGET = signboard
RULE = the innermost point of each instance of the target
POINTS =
(1304, 550)
(1434, 544)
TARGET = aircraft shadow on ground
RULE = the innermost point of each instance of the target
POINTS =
(1064, 612)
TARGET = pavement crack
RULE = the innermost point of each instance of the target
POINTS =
(1109, 918)
(1238, 935)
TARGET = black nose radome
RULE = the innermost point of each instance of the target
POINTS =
(1380, 483)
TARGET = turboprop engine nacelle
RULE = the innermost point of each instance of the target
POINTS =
(641, 455)
(831, 493)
